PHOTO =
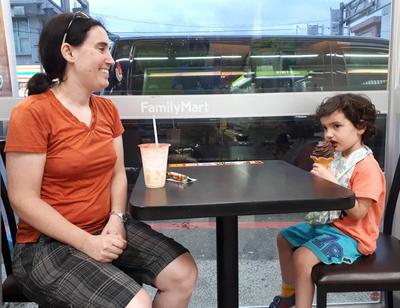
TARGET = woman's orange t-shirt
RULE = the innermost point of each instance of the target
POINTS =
(79, 159)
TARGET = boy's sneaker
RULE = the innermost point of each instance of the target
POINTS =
(282, 302)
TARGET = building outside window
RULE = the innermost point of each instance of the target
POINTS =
(21, 36)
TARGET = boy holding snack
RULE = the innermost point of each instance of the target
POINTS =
(348, 120)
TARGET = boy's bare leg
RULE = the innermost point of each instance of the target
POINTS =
(304, 260)
(286, 260)
(175, 283)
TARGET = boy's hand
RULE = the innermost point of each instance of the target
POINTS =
(323, 172)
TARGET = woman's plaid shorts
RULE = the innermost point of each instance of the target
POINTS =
(56, 275)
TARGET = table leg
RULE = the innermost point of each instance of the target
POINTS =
(227, 262)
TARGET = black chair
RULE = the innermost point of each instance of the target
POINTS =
(377, 272)
(11, 290)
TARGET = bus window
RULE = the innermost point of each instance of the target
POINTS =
(283, 65)
(218, 65)
(149, 58)
(118, 73)
(360, 66)
(187, 67)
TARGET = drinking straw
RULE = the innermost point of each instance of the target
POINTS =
(155, 130)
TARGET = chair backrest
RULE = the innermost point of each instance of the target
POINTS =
(8, 221)
(392, 200)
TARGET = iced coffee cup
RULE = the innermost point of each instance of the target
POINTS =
(154, 160)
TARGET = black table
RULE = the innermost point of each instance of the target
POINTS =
(228, 191)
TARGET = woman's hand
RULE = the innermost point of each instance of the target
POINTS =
(115, 226)
(108, 246)
(105, 247)
(323, 172)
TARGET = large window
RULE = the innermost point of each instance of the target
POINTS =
(234, 64)
(259, 73)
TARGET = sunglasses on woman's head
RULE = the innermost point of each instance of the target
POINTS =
(76, 15)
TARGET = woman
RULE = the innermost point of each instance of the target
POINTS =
(67, 183)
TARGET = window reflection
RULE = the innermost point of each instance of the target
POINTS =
(228, 139)
(247, 65)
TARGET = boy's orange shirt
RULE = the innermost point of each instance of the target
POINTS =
(367, 181)
(79, 159)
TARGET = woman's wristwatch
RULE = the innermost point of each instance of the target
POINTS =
(120, 215)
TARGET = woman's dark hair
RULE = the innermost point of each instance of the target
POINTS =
(358, 109)
(50, 42)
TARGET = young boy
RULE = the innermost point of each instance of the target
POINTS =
(348, 121)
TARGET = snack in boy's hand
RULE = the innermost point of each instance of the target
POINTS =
(323, 153)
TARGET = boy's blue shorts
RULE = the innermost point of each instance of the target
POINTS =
(328, 243)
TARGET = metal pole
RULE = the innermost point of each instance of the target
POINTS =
(392, 148)
(341, 22)
(6, 8)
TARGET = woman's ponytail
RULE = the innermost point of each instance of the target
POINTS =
(39, 83)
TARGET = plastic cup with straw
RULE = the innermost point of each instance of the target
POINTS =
(154, 161)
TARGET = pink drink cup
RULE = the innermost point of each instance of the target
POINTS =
(154, 160)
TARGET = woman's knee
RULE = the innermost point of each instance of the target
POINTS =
(187, 274)
(181, 273)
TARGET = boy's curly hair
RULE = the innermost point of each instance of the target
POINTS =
(358, 109)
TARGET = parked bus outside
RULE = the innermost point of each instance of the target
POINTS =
(234, 64)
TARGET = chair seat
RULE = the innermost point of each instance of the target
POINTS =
(12, 292)
(379, 269)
